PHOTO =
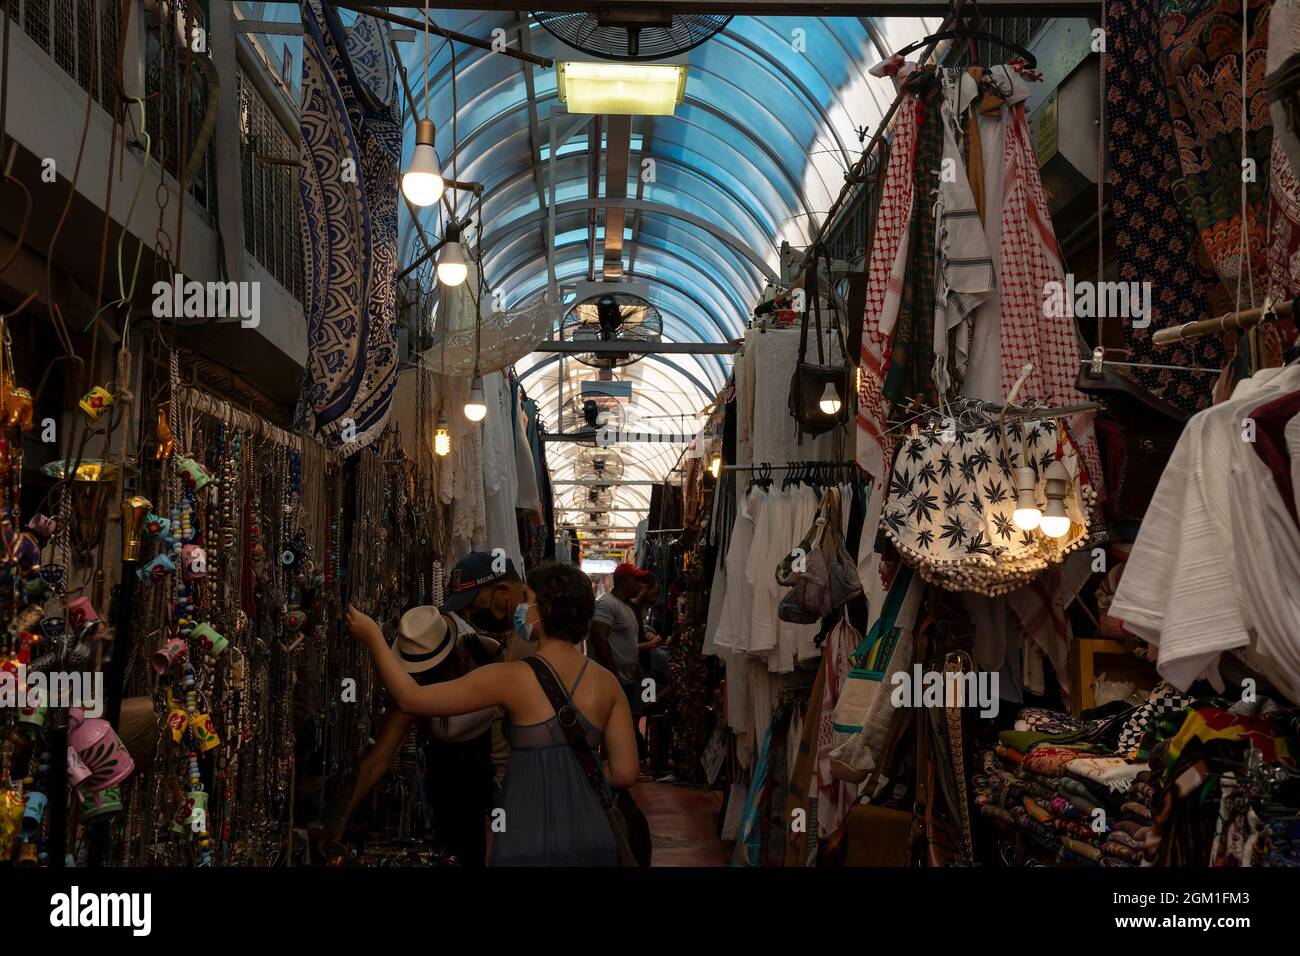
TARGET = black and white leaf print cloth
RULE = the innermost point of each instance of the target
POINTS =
(950, 505)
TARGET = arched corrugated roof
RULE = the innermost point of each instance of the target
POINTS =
(752, 158)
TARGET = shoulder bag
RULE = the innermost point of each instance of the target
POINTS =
(572, 727)
(810, 380)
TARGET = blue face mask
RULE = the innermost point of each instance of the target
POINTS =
(522, 627)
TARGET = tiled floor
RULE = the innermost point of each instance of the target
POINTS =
(683, 825)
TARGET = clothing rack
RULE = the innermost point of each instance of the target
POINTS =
(1229, 321)
(1021, 411)
(1098, 362)
(763, 466)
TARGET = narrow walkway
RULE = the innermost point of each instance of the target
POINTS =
(683, 825)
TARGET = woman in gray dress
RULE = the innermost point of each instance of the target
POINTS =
(550, 814)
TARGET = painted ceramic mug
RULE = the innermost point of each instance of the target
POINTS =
(78, 772)
(96, 402)
(100, 749)
(80, 612)
(167, 654)
(209, 640)
(192, 472)
(198, 819)
(157, 527)
(33, 716)
(194, 561)
(205, 735)
(99, 803)
(156, 570)
(33, 813)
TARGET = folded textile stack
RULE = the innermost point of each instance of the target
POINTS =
(1048, 782)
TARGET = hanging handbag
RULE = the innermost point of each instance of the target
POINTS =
(809, 381)
(864, 713)
(570, 723)
(829, 578)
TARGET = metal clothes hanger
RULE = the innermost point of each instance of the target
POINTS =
(962, 30)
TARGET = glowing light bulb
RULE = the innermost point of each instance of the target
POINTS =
(1056, 523)
(830, 401)
(442, 438)
(715, 466)
(476, 408)
(1026, 517)
(422, 182)
(451, 260)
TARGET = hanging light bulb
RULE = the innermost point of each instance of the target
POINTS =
(451, 261)
(1026, 516)
(476, 408)
(442, 437)
(830, 400)
(1056, 523)
(422, 182)
(715, 466)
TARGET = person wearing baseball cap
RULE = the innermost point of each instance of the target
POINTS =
(616, 628)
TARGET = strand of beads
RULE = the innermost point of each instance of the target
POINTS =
(199, 820)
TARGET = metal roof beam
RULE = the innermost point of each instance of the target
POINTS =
(790, 8)
(660, 348)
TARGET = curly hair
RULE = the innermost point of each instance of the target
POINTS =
(565, 600)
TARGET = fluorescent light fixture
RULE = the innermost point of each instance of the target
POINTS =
(625, 89)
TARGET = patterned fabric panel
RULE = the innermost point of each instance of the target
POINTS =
(351, 144)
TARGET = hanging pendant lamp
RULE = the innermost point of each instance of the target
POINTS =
(451, 260)
(422, 182)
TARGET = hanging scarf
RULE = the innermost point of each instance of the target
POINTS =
(351, 143)
(911, 358)
(884, 291)
(1030, 260)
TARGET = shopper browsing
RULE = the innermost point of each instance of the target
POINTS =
(552, 815)
(458, 750)
(616, 628)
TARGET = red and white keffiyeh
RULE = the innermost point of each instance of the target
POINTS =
(1030, 260)
(885, 277)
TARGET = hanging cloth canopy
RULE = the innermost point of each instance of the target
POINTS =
(505, 336)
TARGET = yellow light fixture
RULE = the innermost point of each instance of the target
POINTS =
(624, 89)
(715, 466)
(442, 438)
(422, 182)
(476, 407)
(830, 400)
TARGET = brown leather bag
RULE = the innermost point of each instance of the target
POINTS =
(809, 381)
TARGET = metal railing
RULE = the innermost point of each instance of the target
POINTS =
(269, 170)
(64, 29)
